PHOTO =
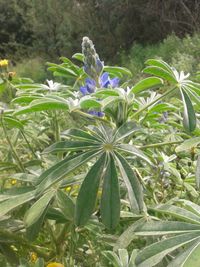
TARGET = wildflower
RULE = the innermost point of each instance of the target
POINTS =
(3, 63)
(68, 188)
(33, 257)
(55, 264)
(96, 113)
(105, 81)
(51, 86)
(13, 181)
(93, 66)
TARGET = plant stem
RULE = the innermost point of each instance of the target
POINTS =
(161, 144)
(14, 152)
(154, 101)
(56, 127)
(29, 145)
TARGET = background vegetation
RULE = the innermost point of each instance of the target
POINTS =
(137, 133)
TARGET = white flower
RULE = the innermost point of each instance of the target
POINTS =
(51, 86)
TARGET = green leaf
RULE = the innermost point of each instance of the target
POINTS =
(56, 215)
(197, 173)
(125, 130)
(153, 254)
(13, 122)
(25, 99)
(113, 258)
(89, 103)
(177, 212)
(38, 208)
(188, 144)
(189, 118)
(81, 135)
(78, 56)
(64, 146)
(33, 230)
(160, 72)
(88, 192)
(62, 71)
(165, 228)
(117, 70)
(128, 235)
(106, 92)
(132, 258)
(43, 105)
(187, 258)
(15, 201)
(159, 63)
(66, 204)
(189, 205)
(134, 151)
(61, 169)
(123, 256)
(147, 83)
(133, 185)
(110, 200)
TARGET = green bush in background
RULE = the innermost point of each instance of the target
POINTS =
(181, 53)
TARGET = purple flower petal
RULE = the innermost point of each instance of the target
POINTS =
(100, 114)
(114, 82)
(84, 90)
(99, 65)
(104, 80)
(96, 113)
(90, 84)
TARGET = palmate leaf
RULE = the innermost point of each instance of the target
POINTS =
(177, 212)
(15, 201)
(117, 71)
(188, 144)
(188, 234)
(125, 130)
(130, 149)
(89, 102)
(81, 135)
(157, 228)
(57, 172)
(66, 204)
(43, 104)
(128, 235)
(153, 254)
(110, 200)
(189, 118)
(147, 83)
(38, 208)
(188, 258)
(160, 72)
(88, 193)
(133, 185)
(64, 146)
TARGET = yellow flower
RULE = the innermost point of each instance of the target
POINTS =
(68, 188)
(33, 257)
(3, 63)
(55, 264)
(13, 181)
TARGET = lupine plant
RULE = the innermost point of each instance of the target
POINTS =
(96, 168)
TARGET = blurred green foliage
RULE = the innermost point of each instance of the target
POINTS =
(52, 28)
(183, 54)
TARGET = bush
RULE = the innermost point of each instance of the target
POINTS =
(183, 53)
(32, 68)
